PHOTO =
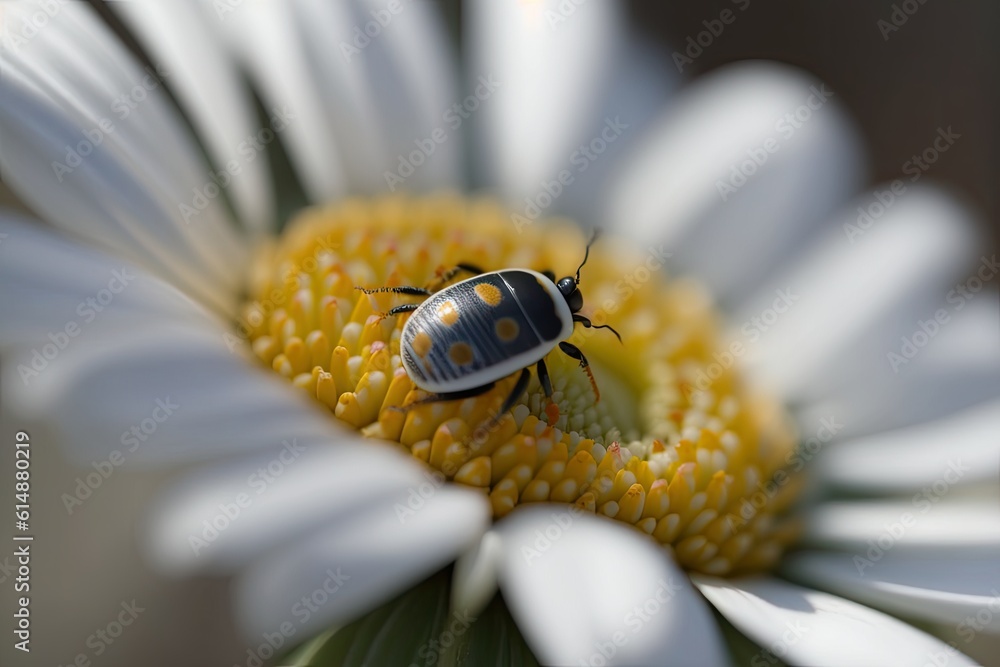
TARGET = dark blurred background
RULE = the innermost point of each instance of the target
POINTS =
(940, 68)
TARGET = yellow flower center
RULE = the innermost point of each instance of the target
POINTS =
(676, 446)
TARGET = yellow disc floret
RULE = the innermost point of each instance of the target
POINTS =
(677, 445)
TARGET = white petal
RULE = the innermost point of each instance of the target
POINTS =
(671, 190)
(389, 94)
(159, 391)
(474, 581)
(956, 369)
(951, 590)
(360, 562)
(46, 281)
(265, 36)
(910, 458)
(208, 85)
(126, 172)
(554, 63)
(928, 523)
(632, 101)
(219, 519)
(582, 588)
(357, 109)
(830, 319)
(805, 627)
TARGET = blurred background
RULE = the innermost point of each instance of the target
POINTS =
(940, 68)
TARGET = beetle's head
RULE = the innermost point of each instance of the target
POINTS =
(569, 286)
(570, 289)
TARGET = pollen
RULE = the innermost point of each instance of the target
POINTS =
(679, 446)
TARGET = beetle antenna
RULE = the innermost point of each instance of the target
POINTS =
(586, 252)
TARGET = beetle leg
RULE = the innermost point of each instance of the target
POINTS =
(574, 351)
(404, 308)
(587, 324)
(543, 377)
(551, 409)
(469, 268)
(446, 276)
(551, 275)
(451, 395)
(519, 388)
(402, 289)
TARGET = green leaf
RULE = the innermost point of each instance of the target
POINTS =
(393, 634)
(493, 640)
(417, 629)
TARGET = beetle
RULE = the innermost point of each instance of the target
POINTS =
(465, 337)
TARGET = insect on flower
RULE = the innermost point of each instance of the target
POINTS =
(465, 337)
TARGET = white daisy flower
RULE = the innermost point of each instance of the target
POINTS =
(175, 318)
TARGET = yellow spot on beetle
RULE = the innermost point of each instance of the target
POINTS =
(422, 343)
(489, 294)
(448, 313)
(460, 353)
(507, 329)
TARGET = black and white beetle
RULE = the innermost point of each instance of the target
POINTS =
(465, 337)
